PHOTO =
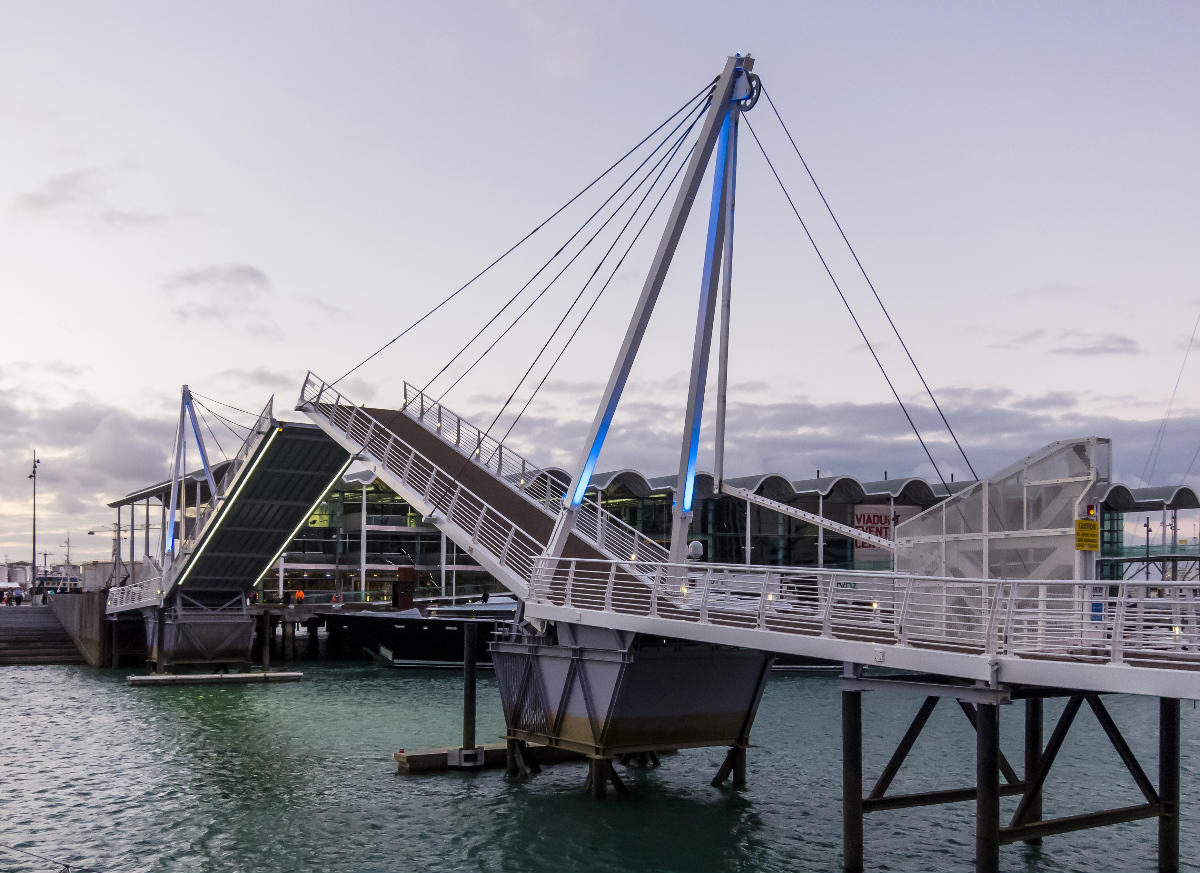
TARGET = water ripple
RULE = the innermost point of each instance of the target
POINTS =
(300, 777)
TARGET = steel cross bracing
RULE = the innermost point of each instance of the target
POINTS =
(811, 517)
(1039, 632)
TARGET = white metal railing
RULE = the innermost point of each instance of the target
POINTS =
(143, 593)
(543, 487)
(509, 545)
(1052, 619)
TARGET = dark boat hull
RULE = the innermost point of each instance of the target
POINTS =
(414, 640)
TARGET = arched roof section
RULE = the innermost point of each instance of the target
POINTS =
(663, 483)
(705, 484)
(632, 480)
(550, 475)
(843, 489)
(1118, 498)
(773, 485)
(909, 490)
(1165, 497)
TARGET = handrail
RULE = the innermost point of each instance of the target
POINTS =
(537, 484)
(510, 546)
(143, 593)
(1049, 619)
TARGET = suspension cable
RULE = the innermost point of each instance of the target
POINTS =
(698, 95)
(229, 423)
(1156, 446)
(698, 109)
(211, 432)
(545, 346)
(662, 197)
(223, 403)
(1191, 464)
(870, 284)
(660, 166)
(849, 309)
(466, 461)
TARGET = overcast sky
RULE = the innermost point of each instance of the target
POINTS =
(229, 194)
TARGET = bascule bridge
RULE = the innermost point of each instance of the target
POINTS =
(627, 646)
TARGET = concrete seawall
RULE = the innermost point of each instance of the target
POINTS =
(82, 616)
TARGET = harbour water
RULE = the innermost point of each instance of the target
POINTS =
(301, 777)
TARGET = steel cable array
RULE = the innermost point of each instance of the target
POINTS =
(870, 284)
(689, 102)
(837, 287)
(629, 178)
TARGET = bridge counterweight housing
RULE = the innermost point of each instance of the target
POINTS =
(611, 693)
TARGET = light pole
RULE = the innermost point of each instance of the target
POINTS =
(1147, 527)
(33, 563)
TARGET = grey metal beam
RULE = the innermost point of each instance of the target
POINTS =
(906, 743)
(931, 798)
(1069, 823)
(970, 693)
(721, 94)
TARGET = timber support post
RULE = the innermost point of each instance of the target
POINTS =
(987, 788)
(852, 794)
(1168, 785)
(1033, 759)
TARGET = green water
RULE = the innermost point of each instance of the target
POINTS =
(301, 777)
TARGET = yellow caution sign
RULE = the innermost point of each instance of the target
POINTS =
(1087, 535)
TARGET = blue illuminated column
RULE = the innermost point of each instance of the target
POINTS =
(681, 512)
(717, 112)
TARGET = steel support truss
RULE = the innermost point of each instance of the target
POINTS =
(996, 777)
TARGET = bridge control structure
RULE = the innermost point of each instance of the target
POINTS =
(223, 529)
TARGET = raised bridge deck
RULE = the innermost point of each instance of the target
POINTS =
(283, 469)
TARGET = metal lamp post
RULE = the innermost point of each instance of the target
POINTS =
(33, 563)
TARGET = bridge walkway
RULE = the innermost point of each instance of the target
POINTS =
(1114, 637)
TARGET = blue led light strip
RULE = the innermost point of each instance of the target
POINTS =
(710, 253)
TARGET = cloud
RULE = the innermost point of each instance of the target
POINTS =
(1099, 344)
(91, 454)
(994, 425)
(226, 280)
(230, 294)
(1017, 340)
(1053, 400)
(78, 195)
(324, 308)
(257, 377)
(1069, 342)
